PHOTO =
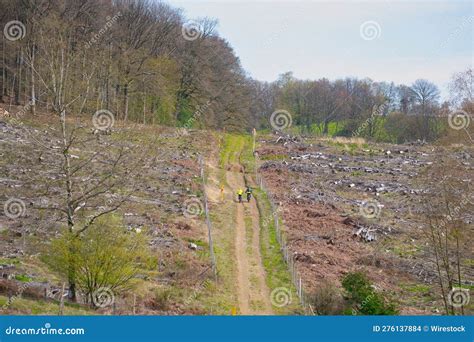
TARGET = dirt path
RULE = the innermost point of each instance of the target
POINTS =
(253, 294)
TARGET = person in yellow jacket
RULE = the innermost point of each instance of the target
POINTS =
(222, 192)
(240, 193)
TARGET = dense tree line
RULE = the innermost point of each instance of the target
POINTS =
(138, 59)
(144, 62)
(376, 110)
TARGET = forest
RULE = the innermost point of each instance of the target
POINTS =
(145, 62)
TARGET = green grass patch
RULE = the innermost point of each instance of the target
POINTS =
(417, 288)
(23, 278)
(9, 261)
(41, 307)
(277, 273)
(248, 233)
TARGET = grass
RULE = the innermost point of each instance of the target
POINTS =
(417, 288)
(23, 278)
(277, 273)
(41, 307)
(248, 231)
(333, 128)
(232, 144)
(9, 261)
(203, 248)
(219, 298)
(276, 270)
(415, 294)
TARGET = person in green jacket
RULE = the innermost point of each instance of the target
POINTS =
(248, 191)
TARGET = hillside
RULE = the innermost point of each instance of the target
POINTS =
(344, 206)
(167, 206)
(145, 171)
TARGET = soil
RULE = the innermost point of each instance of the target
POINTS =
(248, 265)
(320, 188)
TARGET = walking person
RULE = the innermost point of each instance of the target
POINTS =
(248, 191)
(240, 193)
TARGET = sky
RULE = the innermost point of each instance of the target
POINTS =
(384, 40)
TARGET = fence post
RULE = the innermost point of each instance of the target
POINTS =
(134, 303)
(287, 256)
(301, 295)
(61, 300)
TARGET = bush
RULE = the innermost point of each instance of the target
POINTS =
(327, 300)
(106, 255)
(363, 299)
(161, 299)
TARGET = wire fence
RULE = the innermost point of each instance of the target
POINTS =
(288, 256)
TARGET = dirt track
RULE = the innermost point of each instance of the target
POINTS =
(253, 294)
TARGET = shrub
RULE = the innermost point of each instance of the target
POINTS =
(161, 299)
(327, 300)
(363, 299)
(106, 255)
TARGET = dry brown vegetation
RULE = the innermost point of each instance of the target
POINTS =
(324, 186)
(168, 178)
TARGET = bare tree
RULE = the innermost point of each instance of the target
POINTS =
(461, 89)
(448, 208)
(425, 92)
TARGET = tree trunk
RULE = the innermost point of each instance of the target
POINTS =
(125, 94)
(33, 88)
(72, 284)
(18, 80)
(117, 99)
(70, 208)
(325, 127)
(144, 108)
(4, 75)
